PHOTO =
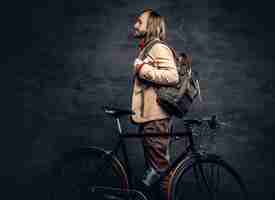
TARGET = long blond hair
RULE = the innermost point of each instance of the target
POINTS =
(156, 26)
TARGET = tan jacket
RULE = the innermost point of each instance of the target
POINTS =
(163, 72)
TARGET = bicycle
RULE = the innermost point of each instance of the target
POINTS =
(95, 173)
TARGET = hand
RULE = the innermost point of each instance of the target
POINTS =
(147, 60)
(137, 62)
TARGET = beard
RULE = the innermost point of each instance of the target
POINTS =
(139, 34)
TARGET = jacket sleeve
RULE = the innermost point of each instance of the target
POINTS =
(162, 68)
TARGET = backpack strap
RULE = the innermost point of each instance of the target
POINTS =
(148, 47)
(144, 54)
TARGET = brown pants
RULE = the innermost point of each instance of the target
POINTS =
(156, 148)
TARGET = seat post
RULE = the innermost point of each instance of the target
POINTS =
(118, 125)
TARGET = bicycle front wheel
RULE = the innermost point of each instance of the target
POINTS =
(79, 172)
(207, 177)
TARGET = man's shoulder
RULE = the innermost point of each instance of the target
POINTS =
(161, 48)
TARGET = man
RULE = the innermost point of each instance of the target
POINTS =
(158, 68)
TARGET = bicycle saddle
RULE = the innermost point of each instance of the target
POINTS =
(117, 112)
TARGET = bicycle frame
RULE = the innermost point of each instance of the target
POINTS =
(121, 144)
(178, 168)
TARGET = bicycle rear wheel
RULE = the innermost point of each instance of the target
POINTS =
(207, 177)
(79, 172)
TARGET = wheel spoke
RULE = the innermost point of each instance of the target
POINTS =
(217, 185)
(197, 178)
(207, 179)
(213, 179)
(204, 179)
(78, 175)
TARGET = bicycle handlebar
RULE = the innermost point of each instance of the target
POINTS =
(212, 121)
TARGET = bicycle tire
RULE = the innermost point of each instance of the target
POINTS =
(195, 179)
(79, 171)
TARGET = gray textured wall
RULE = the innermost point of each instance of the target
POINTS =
(71, 57)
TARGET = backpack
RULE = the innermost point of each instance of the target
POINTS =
(176, 100)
